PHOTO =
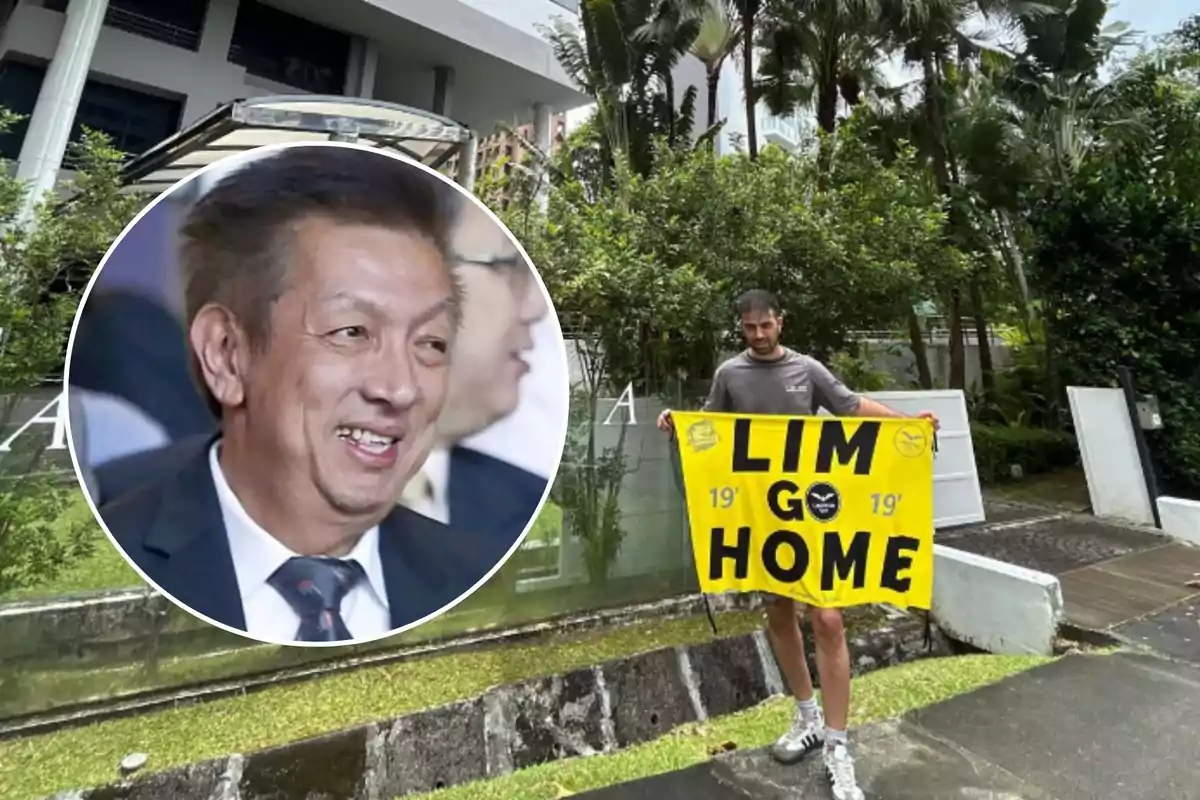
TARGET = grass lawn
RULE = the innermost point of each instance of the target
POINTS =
(42, 765)
(877, 696)
(1063, 490)
(105, 568)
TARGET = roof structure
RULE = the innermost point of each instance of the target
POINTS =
(245, 124)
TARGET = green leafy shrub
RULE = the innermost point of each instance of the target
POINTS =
(1118, 259)
(45, 262)
(1036, 451)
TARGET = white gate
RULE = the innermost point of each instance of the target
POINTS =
(957, 498)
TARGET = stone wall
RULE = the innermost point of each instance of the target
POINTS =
(592, 710)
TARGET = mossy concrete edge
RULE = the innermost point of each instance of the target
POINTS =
(587, 711)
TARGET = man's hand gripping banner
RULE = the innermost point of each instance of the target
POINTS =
(829, 512)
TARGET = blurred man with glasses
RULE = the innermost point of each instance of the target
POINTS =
(502, 301)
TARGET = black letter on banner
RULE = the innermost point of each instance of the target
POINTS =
(861, 444)
(771, 556)
(739, 553)
(835, 559)
(794, 509)
(895, 560)
(742, 462)
(791, 445)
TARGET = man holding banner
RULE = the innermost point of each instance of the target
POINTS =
(766, 481)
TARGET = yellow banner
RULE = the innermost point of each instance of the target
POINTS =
(829, 512)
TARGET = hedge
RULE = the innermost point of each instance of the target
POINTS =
(1037, 451)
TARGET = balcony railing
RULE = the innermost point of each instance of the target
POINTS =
(141, 25)
(783, 131)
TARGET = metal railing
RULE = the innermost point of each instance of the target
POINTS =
(784, 131)
(141, 25)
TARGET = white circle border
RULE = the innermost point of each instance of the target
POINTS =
(248, 156)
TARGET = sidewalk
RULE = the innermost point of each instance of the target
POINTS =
(1086, 727)
(1127, 581)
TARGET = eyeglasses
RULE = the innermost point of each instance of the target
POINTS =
(496, 263)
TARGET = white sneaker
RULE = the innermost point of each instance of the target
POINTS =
(801, 739)
(840, 767)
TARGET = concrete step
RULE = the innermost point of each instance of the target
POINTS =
(1082, 728)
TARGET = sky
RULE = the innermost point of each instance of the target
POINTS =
(1154, 17)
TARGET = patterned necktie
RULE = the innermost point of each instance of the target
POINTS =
(315, 588)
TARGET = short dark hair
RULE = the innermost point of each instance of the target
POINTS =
(235, 243)
(757, 300)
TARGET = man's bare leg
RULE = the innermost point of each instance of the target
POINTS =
(810, 728)
(807, 731)
(783, 629)
(833, 665)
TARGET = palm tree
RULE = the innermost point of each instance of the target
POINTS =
(628, 74)
(748, 13)
(817, 52)
(708, 29)
(720, 31)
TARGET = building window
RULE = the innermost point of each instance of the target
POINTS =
(287, 49)
(19, 85)
(174, 22)
(136, 121)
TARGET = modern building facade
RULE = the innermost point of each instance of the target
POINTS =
(509, 148)
(140, 70)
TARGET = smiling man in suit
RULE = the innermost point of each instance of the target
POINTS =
(321, 310)
(502, 301)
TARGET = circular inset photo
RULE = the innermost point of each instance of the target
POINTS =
(318, 394)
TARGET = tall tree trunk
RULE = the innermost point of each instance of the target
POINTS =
(958, 354)
(916, 340)
(1010, 250)
(1053, 378)
(941, 163)
(933, 120)
(850, 88)
(714, 78)
(827, 99)
(749, 12)
(672, 118)
(987, 369)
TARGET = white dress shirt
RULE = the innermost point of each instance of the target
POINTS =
(428, 492)
(256, 556)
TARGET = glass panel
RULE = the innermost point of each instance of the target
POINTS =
(19, 87)
(291, 50)
(136, 121)
(574, 561)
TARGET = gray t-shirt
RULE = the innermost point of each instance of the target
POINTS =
(795, 385)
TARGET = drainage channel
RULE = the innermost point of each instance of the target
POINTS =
(587, 710)
(91, 711)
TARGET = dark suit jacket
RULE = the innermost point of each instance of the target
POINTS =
(490, 498)
(172, 529)
(130, 346)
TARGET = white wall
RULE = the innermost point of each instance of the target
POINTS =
(1180, 518)
(524, 15)
(205, 78)
(1116, 483)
